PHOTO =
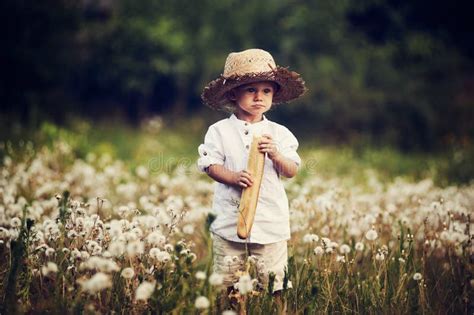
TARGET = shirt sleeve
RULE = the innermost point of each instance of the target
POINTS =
(288, 145)
(211, 151)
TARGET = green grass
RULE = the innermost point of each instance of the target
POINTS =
(177, 141)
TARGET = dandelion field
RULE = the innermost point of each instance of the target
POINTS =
(84, 231)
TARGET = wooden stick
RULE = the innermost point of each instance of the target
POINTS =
(249, 199)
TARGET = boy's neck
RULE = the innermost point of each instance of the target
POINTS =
(249, 118)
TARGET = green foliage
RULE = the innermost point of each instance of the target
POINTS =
(374, 70)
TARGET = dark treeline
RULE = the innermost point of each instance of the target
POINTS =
(389, 72)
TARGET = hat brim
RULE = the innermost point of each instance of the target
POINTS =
(291, 86)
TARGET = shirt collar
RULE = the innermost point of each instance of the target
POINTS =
(242, 123)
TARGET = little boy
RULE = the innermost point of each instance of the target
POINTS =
(250, 84)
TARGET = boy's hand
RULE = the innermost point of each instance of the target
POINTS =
(267, 145)
(243, 179)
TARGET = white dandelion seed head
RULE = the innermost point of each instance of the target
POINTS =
(96, 283)
(345, 249)
(245, 284)
(135, 248)
(359, 246)
(202, 302)
(310, 238)
(216, 279)
(154, 252)
(127, 273)
(49, 252)
(156, 239)
(188, 229)
(144, 290)
(163, 257)
(201, 275)
(15, 222)
(371, 235)
(49, 268)
(117, 248)
(417, 276)
(380, 256)
(318, 250)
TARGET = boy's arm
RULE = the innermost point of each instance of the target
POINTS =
(221, 174)
(285, 166)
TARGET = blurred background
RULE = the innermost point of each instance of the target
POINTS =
(380, 73)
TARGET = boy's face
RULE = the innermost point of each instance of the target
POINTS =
(254, 99)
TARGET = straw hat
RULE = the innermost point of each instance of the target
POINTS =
(248, 66)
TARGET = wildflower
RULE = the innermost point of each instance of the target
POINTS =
(4, 233)
(229, 312)
(341, 258)
(71, 234)
(318, 250)
(371, 235)
(188, 229)
(345, 249)
(401, 260)
(142, 172)
(380, 256)
(245, 284)
(101, 264)
(417, 276)
(144, 290)
(359, 246)
(200, 275)
(96, 283)
(155, 238)
(252, 259)
(15, 222)
(49, 251)
(127, 273)
(310, 238)
(49, 268)
(117, 248)
(135, 248)
(91, 246)
(169, 248)
(154, 252)
(326, 241)
(216, 279)
(202, 302)
(192, 257)
(163, 257)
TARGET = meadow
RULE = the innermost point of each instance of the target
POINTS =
(97, 219)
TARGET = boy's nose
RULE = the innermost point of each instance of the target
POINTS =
(258, 95)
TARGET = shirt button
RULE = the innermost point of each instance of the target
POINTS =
(205, 153)
(246, 124)
(247, 146)
(246, 132)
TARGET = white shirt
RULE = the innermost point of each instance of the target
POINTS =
(227, 143)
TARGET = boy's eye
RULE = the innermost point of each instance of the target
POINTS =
(266, 91)
(251, 89)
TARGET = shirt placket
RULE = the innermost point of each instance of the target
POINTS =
(247, 136)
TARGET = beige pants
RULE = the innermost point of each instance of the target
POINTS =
(269, 258)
